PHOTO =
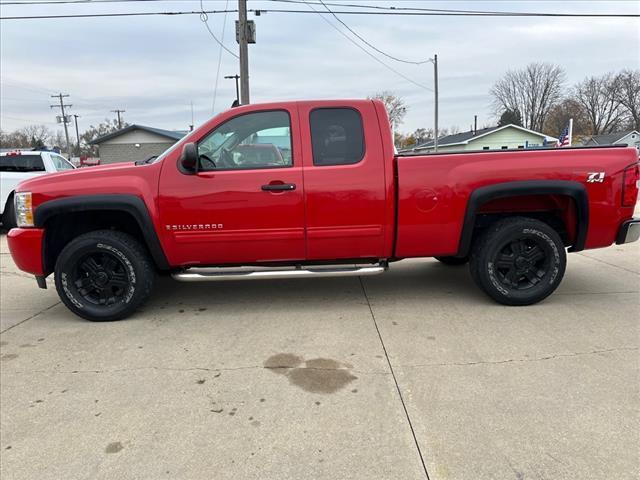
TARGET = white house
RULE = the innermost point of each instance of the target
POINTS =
(505, 137)
(630, 138)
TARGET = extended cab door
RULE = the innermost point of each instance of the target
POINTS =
(344, 174)
(245, 203)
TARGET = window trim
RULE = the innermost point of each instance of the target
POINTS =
(364, 140)
(244, 169)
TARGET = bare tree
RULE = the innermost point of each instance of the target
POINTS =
(421, 135)
(396, 108)
(599, 98)
(628, 95)
(31, 136)
(38, 135)
(532, 91)
(560, 114)
(95, 131)
(58, 140)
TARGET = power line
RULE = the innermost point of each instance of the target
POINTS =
(32, 88)
(388, 67)
(27, 120)
(66, 2)
(382, 10)
(393, 10)
(205, 19)
(459, 13)
(369, 44)
(456, 13)
(215, 88)
(128, 14)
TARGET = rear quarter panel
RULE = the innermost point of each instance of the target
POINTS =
(433, 191)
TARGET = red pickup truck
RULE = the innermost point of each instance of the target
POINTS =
(314, 188)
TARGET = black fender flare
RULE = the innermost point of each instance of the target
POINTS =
(480, 196)
(130, 204)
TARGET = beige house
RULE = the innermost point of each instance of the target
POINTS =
(135, 142)
(506, 137)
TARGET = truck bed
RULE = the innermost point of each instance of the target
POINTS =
(434, 190)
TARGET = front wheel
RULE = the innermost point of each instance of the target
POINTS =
(518, 261)
(104, 275)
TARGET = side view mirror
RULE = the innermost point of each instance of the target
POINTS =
(189, 157)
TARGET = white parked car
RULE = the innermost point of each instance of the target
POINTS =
(20, 165)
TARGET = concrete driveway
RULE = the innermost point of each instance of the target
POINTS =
(412, 374)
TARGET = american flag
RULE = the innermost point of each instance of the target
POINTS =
(564, 140)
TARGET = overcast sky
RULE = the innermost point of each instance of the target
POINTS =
(153, 67)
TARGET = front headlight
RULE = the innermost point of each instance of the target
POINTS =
(24, 209)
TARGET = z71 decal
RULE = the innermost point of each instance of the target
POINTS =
(595, 177)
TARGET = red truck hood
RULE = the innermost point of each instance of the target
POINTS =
(34, 184)
(121, 178)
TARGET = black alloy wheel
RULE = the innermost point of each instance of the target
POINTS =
(522, 263)
(104, 275)
(101, 278)
(518, 261)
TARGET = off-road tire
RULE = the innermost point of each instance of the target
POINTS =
(9, 214)
(452, 261)
(104, 260)
(518, 261)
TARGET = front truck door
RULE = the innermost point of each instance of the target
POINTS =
(245, 203)
(344, 181)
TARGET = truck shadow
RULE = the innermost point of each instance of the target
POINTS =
(405, 281)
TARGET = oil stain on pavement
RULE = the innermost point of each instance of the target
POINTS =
(114, 447)
(318, 375)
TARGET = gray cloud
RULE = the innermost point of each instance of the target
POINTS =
(154, 66)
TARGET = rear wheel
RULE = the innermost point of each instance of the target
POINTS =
(104, 275)
(518, 261)
(453, 260)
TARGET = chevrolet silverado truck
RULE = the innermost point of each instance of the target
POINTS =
(313, 189)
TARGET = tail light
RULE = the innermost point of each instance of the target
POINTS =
(630, 185)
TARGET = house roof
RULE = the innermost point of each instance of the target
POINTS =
(609, 138)
(466, 137)
(170, 134)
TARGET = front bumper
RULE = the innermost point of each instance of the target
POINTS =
(629, 231)
(25, 245)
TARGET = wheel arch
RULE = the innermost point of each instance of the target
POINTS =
(72, 216)
(483, 195)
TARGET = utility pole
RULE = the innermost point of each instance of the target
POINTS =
(63, 115)
(435, 108)
(75, 117)
(236, 77)
(243, 40)
(118, 112)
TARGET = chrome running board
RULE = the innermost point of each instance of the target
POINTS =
(206, 274)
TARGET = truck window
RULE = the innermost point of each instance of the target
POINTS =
(253, 140)
(60, 163)
(21, 163)
(337, 136)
